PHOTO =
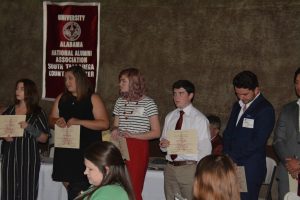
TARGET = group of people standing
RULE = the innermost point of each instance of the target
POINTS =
(135, 117)
(244, 139)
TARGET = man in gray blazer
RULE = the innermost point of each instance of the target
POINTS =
(287, 141)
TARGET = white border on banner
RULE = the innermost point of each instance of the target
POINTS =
(45, 3)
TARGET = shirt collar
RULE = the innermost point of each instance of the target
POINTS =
(248, 104)
(298, 102)
(186, 109)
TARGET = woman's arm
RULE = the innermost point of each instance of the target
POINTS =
(54, 115)
(100, 122)
(152, 134)
(42, 138)
(115, 128)
(36, 132)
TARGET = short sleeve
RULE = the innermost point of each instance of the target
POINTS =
(117, 107)
(41, 122)
(151, 108)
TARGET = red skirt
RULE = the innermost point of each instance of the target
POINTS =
(138, 164)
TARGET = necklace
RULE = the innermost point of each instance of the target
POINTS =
(128, 108)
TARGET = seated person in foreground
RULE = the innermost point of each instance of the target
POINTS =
(216, 178)
(107, 174)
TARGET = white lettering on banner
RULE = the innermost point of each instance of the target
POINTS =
(71, 17)
(71, 44)
(62, 53)
(55, 66)
(83, 53)
(56, 73)
(90, 73)
(84, 66)
(71, 59)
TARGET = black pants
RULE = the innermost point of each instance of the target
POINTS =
(74, 188)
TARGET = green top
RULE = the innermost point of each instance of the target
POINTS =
(109, 192)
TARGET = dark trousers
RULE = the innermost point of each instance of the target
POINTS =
(253, 191)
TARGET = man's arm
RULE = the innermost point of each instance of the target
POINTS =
(280, 137)
(164, 143)
(204, 143)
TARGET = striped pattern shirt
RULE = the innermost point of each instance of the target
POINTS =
(21, 161)
(134, 115)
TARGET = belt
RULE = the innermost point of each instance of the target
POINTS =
(184, 162)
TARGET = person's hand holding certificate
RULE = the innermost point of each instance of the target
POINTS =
(10, 127)
(121, 143)
(68, 137)
(182, 142)
(242, 178)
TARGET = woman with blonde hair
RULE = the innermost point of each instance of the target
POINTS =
(136, 119)
(216, 179)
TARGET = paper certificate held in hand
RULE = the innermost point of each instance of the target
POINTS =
(68, 137)
(242, 178)
(122, 146)
(182, 142)
(10, 127)
(293, 184)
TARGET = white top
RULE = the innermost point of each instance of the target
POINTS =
(192, 119)
(242, 105)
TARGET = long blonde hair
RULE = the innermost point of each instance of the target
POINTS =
(216, 179)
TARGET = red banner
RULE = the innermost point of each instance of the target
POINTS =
(71, 38)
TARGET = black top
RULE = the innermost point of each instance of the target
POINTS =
(68, 164)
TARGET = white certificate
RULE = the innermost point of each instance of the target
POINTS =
(68, 137)
(10, 127)
(242, 178)
(120, 143)
(293, 184)
(122, 146)
(182, 142)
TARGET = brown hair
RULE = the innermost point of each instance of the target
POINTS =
(31, 95)
(83, 84)
(216, 179)
(106, 154)
(137, 86)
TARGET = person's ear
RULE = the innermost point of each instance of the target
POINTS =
(191, 96)
(256, 91)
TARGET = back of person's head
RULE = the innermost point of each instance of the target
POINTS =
(137, 87)
(31, 95)
(105, 154)
(83, 84)
(216, 179)
(297, 72)
(215, 121)
(245, 79)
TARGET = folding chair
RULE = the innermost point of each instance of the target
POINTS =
(271, 169)
(291, 196)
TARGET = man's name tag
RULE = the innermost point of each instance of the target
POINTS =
(248, 123)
